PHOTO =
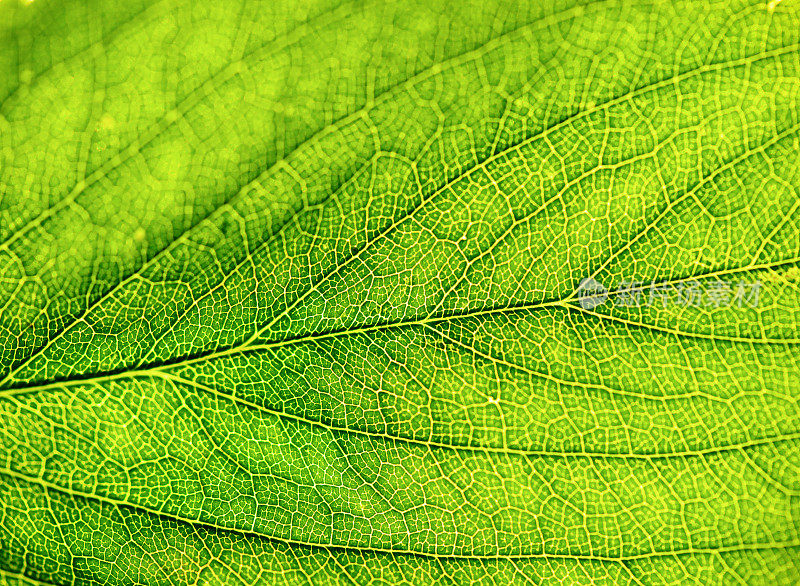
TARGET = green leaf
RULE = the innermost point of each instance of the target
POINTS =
(300, 292)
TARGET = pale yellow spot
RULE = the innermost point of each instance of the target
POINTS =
(139, 235)
(772, 4)
(172, 116)
(25, 76)
(235, 68)
(792, 274)
(107, 122)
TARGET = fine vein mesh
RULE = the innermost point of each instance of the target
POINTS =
(290, 292)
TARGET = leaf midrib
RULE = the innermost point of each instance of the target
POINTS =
(138, 370)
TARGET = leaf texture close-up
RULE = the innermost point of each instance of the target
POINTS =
(399, 292)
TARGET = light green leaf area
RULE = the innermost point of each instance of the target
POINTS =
(290, 292)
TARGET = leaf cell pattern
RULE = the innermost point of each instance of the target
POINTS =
(290, 292)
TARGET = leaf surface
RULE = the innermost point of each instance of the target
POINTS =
(291, 292)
